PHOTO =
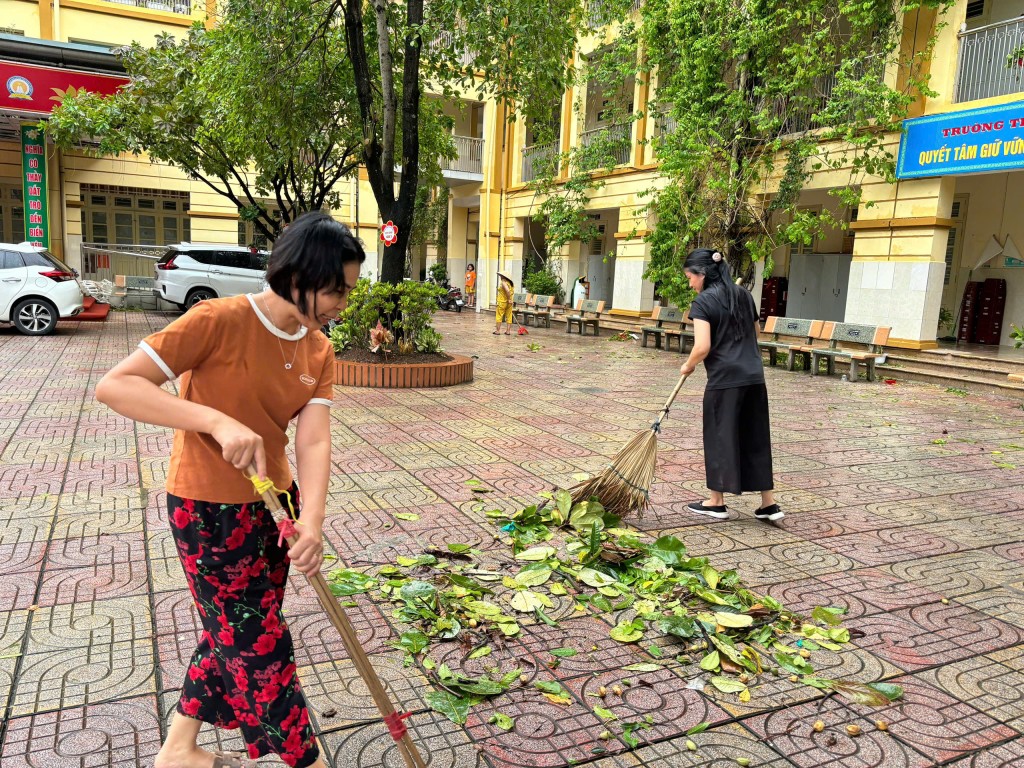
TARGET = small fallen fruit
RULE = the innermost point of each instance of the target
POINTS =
(473, 623)
(691, 746)
(524, 679)
(794, 679)
(605, 735)
(818, 726)
(881, 725)
(492, 719)
(602, 691)
(945, 601)
(744, 761)
(617, 690)
(744, 678)
(853, 730)
(804, 653)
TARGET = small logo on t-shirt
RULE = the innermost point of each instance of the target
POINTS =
(307, 379)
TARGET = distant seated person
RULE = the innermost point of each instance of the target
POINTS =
(471, 285)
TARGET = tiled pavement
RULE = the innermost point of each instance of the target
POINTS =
(897, 509)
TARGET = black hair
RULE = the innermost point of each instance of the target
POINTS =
(310, 256)
(470, 266)
(719, 286)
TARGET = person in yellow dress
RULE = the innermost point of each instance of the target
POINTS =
(504, 302)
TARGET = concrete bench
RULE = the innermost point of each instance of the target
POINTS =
(589, 313)
(538, 310)
(791, 335)
(860, 343)
(669, 326)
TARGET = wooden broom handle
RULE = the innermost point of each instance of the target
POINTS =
(348, 635)
(671, 399)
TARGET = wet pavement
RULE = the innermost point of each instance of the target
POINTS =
(904, 503)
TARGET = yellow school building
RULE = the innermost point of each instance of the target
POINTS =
(947, 222)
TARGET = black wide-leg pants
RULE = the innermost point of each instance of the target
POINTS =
(737, 439)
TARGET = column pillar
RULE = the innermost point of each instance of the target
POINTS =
(896, 276)
(632, 295)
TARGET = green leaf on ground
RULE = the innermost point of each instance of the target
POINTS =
(405, 515)
(734, 620)
(563, 653)
(669, 550)
(504, 722)
(595, 579)
(605, 714)
(536, 554)
(728, 684)
(699, 728)
(711, 662)
(628, 632)
(479, 653)
(455, 708)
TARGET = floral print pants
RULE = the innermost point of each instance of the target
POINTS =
(242, 674)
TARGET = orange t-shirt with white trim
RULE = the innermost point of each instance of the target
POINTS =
(231, 357)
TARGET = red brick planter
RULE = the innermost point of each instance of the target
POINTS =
(458, 370)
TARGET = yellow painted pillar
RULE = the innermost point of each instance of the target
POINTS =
(896, 276)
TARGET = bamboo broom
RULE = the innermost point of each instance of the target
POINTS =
(392, 717)
(624, 486)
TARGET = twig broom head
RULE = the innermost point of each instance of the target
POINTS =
(623, 487)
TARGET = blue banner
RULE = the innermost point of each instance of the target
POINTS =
(970, 141)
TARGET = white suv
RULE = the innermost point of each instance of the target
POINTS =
(189, 273)
(36, 289)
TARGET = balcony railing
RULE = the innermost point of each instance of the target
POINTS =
(538, 158)
(470, 157)
(446, 41)
(620, 138)
(991, 61)
(183, 7)
(600, 12)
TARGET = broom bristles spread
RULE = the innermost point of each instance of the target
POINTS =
(624, 486)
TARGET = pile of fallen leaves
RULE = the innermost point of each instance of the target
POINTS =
(583, 553)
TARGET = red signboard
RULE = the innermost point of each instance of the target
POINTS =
(38, 90)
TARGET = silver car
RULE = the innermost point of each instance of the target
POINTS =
(189, 273)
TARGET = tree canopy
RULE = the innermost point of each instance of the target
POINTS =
(750, 98)
(281, 99)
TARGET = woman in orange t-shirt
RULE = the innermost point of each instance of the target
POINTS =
(236, 401)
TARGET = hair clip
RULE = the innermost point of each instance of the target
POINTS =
(716, 256)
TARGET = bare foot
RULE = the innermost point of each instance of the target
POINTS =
(177, 758)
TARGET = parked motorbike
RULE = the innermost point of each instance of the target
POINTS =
(452, 300)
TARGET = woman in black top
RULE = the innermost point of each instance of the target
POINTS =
(737, 436)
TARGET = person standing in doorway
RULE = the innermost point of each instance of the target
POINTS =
(737, 434)
(580, 291)
(237, 398)
(471, 285)
(504, 304)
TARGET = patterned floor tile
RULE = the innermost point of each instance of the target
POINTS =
(935, 723)
(990, 687)
(880, 519)
(789, 732)
(120, 734)
(90, 675)
(441, 742)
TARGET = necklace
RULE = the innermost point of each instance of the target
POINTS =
(287, 365)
